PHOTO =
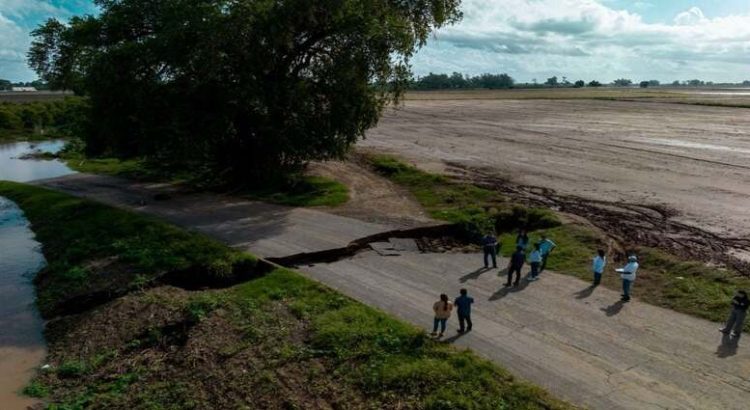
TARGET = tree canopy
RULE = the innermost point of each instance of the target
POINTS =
(247, 89)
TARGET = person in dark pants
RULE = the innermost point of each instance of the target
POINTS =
(535, 259)
(489, 245)
(736, 320)
(515, 266)
(463, 307)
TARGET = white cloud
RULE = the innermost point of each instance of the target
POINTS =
(691, 17)
(589, 39)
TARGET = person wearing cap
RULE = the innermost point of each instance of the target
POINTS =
(489, 245)
(546, 246)
(628, 273)
(515, 265)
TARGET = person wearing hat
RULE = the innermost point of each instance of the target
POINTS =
(627, 273)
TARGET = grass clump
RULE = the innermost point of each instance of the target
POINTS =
(304, 191)
(297, 190)
(479, 210)
(92, 248)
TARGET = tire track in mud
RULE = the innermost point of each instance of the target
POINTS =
(629, 225)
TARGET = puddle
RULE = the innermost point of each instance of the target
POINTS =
(22, 345)
(696, 145)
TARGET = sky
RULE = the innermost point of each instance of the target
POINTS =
(601, 40)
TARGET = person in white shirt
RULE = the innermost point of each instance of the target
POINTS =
(600, 261)
(627, 273)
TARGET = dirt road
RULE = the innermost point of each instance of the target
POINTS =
(693, 159)
(579, 344)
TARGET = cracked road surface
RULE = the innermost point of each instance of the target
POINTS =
(578, 343)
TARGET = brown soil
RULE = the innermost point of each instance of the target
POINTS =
(372, 197)
(666, 175)
(150, 349)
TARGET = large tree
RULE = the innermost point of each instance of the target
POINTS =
(249, 89)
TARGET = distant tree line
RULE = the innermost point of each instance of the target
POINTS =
(458, 81)
(60, 118)
(7, 85)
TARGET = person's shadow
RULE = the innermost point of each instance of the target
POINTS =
(474, 275)
(614, 309)
(728, 347)
(583, 294)
(455, 337)
(504, 291)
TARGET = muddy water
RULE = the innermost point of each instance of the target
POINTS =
(21, 341)
(22, 346)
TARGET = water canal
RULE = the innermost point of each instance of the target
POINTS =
(22, 346)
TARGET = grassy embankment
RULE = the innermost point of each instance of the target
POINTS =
(664, 280)
(277, 341)
(305, 191)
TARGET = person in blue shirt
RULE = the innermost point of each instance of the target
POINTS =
(600, 261)
(516, 264)
(463, 305)
(546, 246)
(535, 259)
(489, 245)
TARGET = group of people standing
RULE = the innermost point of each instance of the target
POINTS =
(538, 262)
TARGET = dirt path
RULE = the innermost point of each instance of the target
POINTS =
(579, 344)
(372, 198)
(690, 159)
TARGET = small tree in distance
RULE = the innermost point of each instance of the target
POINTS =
(579, 84)
(552, 81)
(595, 83)
(622, 82)
(644, 84)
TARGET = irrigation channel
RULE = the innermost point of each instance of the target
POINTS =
(22, 346)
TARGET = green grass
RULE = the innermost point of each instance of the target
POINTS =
(300, 191)
(76, 232)
(478, 209)
(285, 320)
(308, 191)
(664, 280)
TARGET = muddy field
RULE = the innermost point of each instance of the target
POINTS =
(673, 175)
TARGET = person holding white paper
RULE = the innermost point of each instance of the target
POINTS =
(628, 273)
